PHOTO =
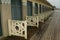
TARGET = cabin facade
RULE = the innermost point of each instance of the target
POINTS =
(38, 10)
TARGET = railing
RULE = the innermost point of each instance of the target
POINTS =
(32, 21)
(41, 17)
(17, 28)
(47, 14)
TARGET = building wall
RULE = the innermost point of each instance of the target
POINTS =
(33, 3)
(6, 12)
(24, 4)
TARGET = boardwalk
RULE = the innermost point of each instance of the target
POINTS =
(53, 30)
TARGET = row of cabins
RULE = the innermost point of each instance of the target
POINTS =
(25, 12)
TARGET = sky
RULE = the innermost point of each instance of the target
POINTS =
(55, 3)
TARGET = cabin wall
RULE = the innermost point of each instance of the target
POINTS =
(5, 8)
(24, 5)
(5, 14)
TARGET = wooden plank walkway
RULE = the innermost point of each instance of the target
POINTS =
(53, 30)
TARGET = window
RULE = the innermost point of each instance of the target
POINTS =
(0, 1)
(29, 8)
(16, 8)
(40, 8)
(36, 8)
(46, 8)
(0, 26)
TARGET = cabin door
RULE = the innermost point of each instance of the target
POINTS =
(36, 8)
(16, 9)
(0, 26)
(29, 8)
